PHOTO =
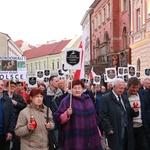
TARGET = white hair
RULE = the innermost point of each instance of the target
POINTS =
(117, 81)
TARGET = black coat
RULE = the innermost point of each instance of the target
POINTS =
(111, 116)
(90, 93)
(21, 104)
(8, 115)
(145, 109)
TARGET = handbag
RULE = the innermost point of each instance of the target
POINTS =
(53, 145)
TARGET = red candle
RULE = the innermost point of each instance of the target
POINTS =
(33, 122)
(135, 104)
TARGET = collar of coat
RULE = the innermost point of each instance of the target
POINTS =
(31, 105)
(124, 97)
(57, 93)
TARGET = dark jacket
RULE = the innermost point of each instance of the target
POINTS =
(52, 101)
(145, 109)
(98, 95)
(90, 93)
(111, 119)
(21, 104)
(8, 115)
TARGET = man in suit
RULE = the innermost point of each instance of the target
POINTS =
(116, 117)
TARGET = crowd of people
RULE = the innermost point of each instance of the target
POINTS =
(81, 115)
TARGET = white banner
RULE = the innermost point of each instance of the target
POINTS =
(13, 68)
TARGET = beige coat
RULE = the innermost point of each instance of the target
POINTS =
(37, 139)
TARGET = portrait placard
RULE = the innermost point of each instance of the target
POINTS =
(120, 71)
(60, 72)
(126, 78)
(131, 71)
(39, 74)
(147, 72)
(97, 79)
(111, 74)
(32, 81)
(72, 58)
(47, 73)
(138, 74)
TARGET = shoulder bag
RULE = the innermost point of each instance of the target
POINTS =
(53, 145)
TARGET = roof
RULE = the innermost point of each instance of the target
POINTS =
(19, 44)
(44, 50)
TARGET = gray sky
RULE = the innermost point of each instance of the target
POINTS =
(38, 21)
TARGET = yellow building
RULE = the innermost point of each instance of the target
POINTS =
(48, 56)
(140, 35)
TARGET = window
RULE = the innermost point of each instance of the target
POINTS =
(96, 22)
(39, 66)
(138, 18)
(124, 5)
(36, 66)
(108, 10)
(44, 65)
(124, 38)
(31, 68)
(138, 65)
(93, 27)
(53, 67)
(104, 13)
(57, 64)
(27, 68)
(98, 19)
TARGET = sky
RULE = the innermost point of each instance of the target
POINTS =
(39, 21)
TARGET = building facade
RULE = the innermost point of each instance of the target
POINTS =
(109, 34)
(85, 23)
(140, 35)
(8, 47)
(49, 56)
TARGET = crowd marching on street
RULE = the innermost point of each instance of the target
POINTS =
(82, 116)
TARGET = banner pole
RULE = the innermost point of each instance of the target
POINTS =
(9, 88)
(71, 90)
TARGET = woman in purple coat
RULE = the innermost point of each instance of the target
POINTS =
(79, 122)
